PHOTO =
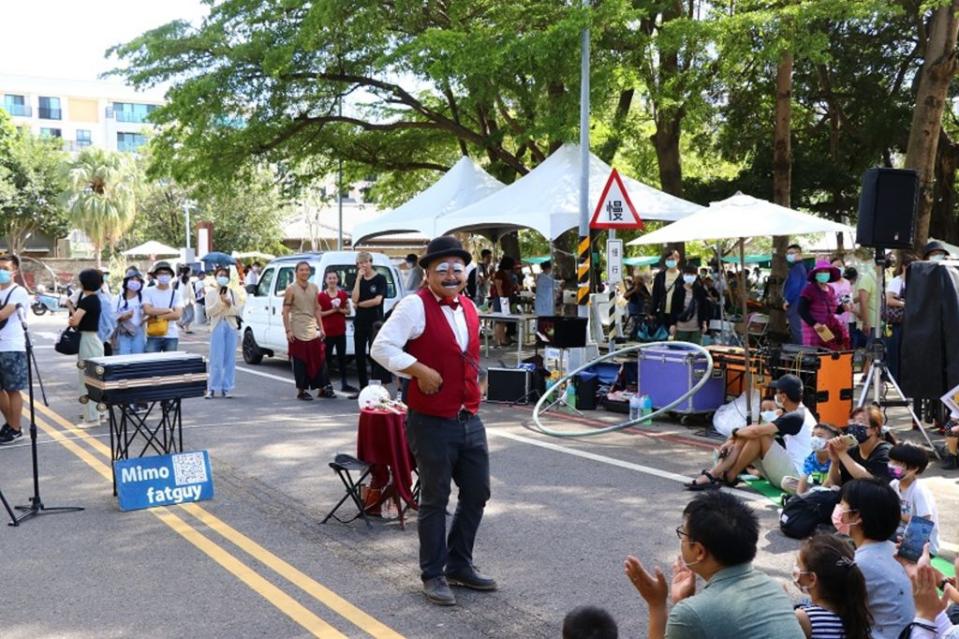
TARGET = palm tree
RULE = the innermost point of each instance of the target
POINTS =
(100, 196)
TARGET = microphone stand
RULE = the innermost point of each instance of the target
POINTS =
(36, 507)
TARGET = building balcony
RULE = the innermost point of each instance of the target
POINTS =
(50, 114)
(19, 110)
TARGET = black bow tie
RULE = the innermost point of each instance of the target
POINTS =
(449, 301)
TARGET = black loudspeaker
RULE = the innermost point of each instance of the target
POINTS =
(887, 208)
(509, 385)
(561, 331)
(586, 387)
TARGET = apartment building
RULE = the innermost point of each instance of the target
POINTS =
(101, 114)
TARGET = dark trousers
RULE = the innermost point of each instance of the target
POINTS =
(362, 340)
(449, 449)
(337, 343)
(303, 381)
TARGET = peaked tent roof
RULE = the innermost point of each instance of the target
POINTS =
(461, 186)
(151, 248)
(547, 199)
(740, 216)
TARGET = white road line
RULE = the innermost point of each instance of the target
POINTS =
(648, 470)
(267, 375)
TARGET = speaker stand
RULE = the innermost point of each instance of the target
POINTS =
(879, 370)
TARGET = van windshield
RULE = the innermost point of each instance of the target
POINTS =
(347, 275)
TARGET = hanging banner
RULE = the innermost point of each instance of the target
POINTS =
(614, 209)
(614, 261)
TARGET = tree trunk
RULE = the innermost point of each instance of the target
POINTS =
(938, 67)
(510, 245)
(99, 252)
(782, 187)
(944, 221)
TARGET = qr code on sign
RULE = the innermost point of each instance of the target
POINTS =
(189, 468)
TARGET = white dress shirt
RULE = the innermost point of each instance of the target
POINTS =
(407, 322)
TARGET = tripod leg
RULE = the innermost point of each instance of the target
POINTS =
(866, 386)
(6, 506)
(915, 418)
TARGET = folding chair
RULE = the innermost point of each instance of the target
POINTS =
(757, 325)
(344, 465)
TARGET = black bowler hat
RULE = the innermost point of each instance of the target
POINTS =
(444, 246)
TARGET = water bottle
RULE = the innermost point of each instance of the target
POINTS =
(647, 408)
(571, 396)
(635, 408)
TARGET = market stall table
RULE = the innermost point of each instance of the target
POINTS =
(381, 442)
(522, 329)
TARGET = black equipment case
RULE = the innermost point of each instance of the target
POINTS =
(149, 377)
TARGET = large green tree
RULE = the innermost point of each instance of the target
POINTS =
(31, 184)
(244, 219)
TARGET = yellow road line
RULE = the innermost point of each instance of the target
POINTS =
(309, 585)
(282, 601)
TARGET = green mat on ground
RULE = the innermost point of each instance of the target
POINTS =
(764, 488)
(943, 566)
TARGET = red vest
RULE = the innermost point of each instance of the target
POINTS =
(438, 349)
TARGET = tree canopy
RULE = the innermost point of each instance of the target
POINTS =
(682, 92)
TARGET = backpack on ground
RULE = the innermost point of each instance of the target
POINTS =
(802, 513)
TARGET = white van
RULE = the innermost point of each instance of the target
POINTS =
(263, 332)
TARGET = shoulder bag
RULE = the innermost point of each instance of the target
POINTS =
(68, 342)
(157, 327)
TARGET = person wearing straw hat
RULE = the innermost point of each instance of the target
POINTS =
(433, 337)
(818, 307)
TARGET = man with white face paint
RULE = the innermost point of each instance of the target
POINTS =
(433, 337)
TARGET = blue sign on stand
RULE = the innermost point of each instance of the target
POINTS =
(164, 480)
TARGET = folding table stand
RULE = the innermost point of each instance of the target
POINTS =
(163, 437)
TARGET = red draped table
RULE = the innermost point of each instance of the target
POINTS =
(381, 442)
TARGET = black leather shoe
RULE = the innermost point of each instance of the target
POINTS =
(469, 578)
(437, 590)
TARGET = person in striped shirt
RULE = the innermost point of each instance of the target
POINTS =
(826, 570)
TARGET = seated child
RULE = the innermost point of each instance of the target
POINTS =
(816, 467)
(907, 462)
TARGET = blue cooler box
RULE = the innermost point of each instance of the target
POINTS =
(668, 372)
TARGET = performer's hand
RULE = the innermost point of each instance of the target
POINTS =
(429, 381)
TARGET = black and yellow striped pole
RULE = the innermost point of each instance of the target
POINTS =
(583, 269)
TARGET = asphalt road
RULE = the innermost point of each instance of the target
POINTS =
(255, 561)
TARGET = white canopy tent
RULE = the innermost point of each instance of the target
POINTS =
(459, 187)
(547, 199)
(152, 249)
(740, 217)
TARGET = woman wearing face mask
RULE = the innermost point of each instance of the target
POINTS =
(667, 280)
(869, 459)
(868, 513)
(128, 307)
(224, 307)
(690, 310)
(818, 308)
(826, 570)
(86, 319)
